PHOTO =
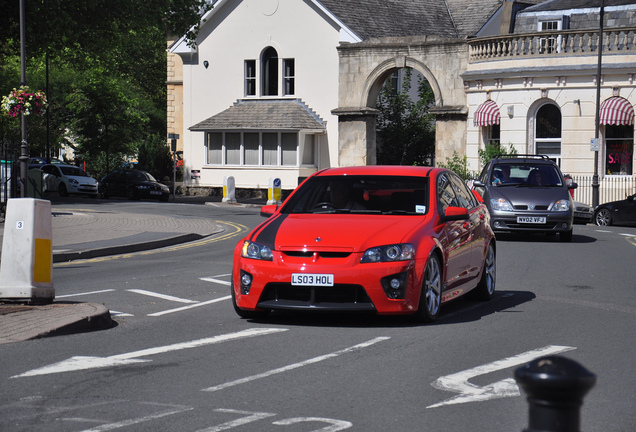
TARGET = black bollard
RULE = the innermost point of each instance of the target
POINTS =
(555, 387)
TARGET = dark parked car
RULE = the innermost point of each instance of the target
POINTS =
(621, 212)
(527, 193)
(132, 184)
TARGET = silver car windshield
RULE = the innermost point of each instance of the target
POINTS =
(526, 175)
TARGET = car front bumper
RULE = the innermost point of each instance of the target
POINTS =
(512, 222)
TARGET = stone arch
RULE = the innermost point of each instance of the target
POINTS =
(373, 83)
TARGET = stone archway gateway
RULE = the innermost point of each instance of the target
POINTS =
(363, 69)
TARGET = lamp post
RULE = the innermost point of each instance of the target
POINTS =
(24, 148)
(595, 184)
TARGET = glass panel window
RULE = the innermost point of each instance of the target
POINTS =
(269, 71)
(308, 150)
(270, 149)
(289, 76)
(619, 149)
(232, 148)
(551, 43)
(251, 148)
(250, 77)
(548, 132)
(493, 135)
(289, 147)
(215, 148)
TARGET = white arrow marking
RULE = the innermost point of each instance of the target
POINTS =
(84, 362)
(458, 382)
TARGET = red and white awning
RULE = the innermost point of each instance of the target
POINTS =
(487, 114)
(616, 111)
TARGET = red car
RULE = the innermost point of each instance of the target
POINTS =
(393, 240)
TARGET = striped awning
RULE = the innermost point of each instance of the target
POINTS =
(487, 114)
(616, 111)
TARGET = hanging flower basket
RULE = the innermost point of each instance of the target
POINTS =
(24, 101)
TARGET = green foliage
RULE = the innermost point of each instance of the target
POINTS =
(492, 150)
(458, 164)
(107, 72)
(405, 131)
(155, 157)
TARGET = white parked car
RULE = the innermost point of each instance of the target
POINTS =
(67, 179)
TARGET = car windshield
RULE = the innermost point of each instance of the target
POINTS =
(141, 176)
(525, 174)
(361, 194)
(73, 171)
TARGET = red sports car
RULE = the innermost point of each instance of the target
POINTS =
(386, 239)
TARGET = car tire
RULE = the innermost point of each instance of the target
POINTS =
(431, 295)
(485, 290)
(245, 314)
(566, 236)
(603, 217)
(62, 190)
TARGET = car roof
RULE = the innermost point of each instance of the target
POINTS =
(404, 170)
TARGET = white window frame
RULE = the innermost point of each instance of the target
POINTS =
(550, 44)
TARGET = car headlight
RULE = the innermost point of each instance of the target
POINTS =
(388, 253)
(256, 251)
(561, 205)
(73, 181)
(142, 187)
(500, 204)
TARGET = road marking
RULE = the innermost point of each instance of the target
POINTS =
(130, 422)
(249, 418)
(190, 306)
(86, 362)
(468, 392)
(86, 293)
(295, 365)
(162, 296)
(604, 231)
(218, 281)
(120, 314)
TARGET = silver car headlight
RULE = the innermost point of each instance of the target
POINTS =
(256, 251)
(73, 181)
(561, 205)
(388, 253)
(500, 204)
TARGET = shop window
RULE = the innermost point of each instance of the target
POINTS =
(619, 149)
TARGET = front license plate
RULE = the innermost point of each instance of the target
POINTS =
(306, 279)
(531, 219)
(155, 192)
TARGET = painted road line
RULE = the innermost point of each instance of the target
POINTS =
(120, 314)
(162, 296)
(85, 362)
(218, 281)
(468, 392)
(180, 309)
(130, 422)
(82, 294)
(295, 365)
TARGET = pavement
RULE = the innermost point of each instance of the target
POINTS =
(84, 234)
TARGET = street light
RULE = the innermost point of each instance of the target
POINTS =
(24, 148)
(595, 184)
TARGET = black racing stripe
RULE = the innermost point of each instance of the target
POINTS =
(267, 236)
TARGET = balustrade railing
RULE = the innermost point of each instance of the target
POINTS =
(554, 43)
(610, 188)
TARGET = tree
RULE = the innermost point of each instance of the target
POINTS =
(405, 130)
(107, 74)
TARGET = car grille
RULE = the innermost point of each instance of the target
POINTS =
(542, 227)
(307, 254)
(525, 207)
(337, 297)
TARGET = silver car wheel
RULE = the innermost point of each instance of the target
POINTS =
(603, 217)
(433, 286)
(490, 267)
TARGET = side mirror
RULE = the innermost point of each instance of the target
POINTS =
(268, 210)
(455, 213)
(573, 185)
(478, 183)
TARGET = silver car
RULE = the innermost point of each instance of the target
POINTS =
(527, 193)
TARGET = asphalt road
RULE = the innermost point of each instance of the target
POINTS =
(180, 358)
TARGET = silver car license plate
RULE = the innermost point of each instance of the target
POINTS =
(531, 219)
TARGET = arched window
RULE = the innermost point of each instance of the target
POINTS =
(269, 68)
(547, 137)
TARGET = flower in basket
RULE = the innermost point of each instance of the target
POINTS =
(24, 101)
